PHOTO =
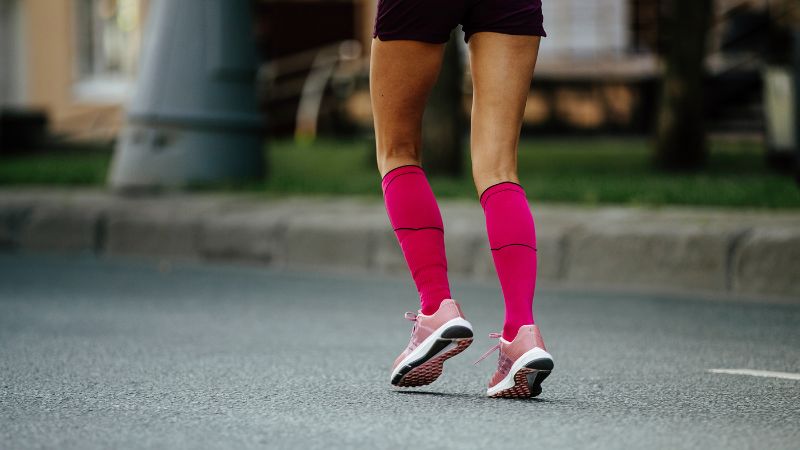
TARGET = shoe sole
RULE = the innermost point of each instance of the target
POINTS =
(429, 367)
(528, 380)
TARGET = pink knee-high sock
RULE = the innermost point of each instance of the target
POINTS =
(512, 238)
(417, 223)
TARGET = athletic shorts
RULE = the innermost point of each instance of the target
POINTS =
(432, 20)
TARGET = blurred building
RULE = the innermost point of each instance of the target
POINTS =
(598, 68)
(76, 59)
(73, 59)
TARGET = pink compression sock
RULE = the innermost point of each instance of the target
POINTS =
(417, 222)
(512, 238)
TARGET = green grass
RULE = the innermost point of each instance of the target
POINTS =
(72, 168)
(620, 171)
(580, 170)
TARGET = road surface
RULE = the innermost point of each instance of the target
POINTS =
(132, 354)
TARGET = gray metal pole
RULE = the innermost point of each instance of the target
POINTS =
(194, 116)
(796, 75)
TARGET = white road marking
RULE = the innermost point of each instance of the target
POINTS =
(758, 373)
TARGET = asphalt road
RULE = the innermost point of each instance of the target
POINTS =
(110, 354)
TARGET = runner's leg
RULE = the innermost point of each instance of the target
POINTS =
(402, 73)
(502, 67)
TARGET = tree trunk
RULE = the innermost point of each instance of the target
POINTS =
(444, 121)
(680, 134)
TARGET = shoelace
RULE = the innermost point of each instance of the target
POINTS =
(489, 352)
(412, 316)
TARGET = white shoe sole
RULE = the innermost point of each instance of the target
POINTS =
(424, 364)
(525, 377)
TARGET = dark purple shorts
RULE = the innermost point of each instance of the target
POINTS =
(432, 20)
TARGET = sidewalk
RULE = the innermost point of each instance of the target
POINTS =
(735, 253)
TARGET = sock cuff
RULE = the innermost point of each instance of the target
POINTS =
(398, 171)
(499, 187)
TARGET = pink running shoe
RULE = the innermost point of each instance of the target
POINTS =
(523, 364)
(434, 339)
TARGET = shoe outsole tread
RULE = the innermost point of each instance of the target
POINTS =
(528, 380)
(428, 371)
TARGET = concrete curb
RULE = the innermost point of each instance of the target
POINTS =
(698, 250)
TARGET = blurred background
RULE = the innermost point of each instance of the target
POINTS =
(150, 150)
(633, 101)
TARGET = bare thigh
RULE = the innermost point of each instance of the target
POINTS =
(502, 68)
(402, 74)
